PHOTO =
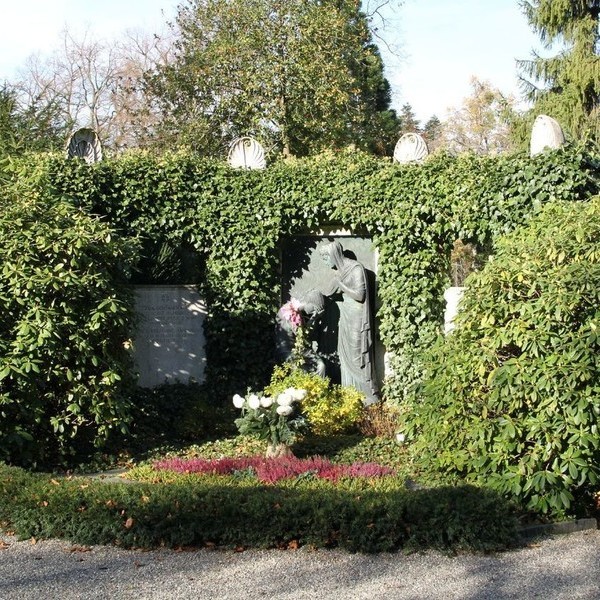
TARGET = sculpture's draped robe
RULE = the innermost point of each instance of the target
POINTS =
(355, 333)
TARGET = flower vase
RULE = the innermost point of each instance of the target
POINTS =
(278, 451)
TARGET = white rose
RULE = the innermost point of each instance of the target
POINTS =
(265, 401)
(284, 399)
(298, 395)
(238, 401)
(253, 401)
(284, 410)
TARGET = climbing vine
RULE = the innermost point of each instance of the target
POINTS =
(200, 221)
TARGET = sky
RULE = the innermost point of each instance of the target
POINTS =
(431, 48)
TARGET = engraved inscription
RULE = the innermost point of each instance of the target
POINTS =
(169, 343)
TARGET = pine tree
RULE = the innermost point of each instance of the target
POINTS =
(567, 85)
(408, 120)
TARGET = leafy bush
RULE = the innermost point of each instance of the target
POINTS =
(329, 408)
(512, 397)
(366, 515)
(65, 318)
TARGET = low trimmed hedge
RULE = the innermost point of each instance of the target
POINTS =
(360, 516)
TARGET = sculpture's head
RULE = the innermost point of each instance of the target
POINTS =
(332, 253)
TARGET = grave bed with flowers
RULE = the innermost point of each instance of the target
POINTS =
(253, 491)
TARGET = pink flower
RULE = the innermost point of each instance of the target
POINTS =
(290, 311)
(271, 470)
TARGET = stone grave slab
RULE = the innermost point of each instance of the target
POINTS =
(169, 344)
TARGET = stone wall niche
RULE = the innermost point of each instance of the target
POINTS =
(303, 269)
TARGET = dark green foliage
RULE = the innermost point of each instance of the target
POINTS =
(174, 413)
(512, 397)
(27, 128)
(65, 315)
(360, 516)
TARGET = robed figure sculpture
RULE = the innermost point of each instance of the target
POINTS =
(349, 287)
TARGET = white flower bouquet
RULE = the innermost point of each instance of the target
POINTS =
(277, 420)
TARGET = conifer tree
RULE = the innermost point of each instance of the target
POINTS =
(565, 86)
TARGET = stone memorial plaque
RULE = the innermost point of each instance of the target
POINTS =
(303, 269)
(169, 343)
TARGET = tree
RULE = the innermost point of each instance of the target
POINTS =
(408, 120)
(78, 78)
(301, 75)
(134, 117)
(567, 85)
(483, 123)
(432, 133)
(25, 128)
(87, 82)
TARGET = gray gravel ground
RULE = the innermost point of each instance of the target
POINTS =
(564, 567)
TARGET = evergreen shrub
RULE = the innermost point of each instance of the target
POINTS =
(370, 515)
(512, 396)
(65, 323)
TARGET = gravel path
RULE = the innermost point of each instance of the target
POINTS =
(563, 567)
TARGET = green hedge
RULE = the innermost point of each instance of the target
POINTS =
(370, 516)
(222, 228)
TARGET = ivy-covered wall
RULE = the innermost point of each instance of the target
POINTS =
(221, 227)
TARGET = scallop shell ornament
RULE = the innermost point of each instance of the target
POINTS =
(84, 143)
(246, 153)
(411, 147)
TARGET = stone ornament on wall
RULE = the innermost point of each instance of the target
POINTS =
(452, 296)
(84, 143)
(411, 147)
(246, 153)
(546, 133)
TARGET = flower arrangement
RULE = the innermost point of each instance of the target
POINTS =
(290, 311)
(275, 419)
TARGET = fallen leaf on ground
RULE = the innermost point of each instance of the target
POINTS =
(79, 549)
